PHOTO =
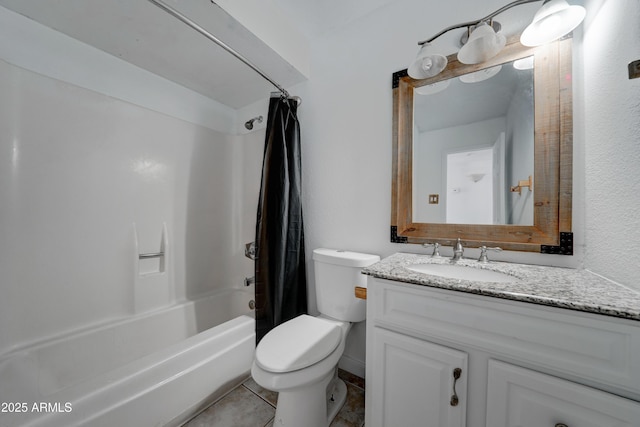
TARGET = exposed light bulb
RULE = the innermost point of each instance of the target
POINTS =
(427, 64)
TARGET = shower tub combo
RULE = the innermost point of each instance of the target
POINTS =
(127, 374)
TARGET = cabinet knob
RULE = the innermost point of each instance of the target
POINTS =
(456, 375)
(561, 425)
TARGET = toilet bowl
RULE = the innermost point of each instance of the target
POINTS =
(299, 358)
(309, 392)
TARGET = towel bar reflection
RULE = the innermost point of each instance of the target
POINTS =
(526, 183)
(151, 255)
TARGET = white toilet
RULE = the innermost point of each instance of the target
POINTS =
(299, 358)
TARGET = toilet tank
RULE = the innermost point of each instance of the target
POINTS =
(337, 273)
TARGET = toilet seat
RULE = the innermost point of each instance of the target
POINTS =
(297, 344)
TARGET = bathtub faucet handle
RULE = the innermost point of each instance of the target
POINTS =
(250, 250)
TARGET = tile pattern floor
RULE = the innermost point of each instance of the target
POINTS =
(250, 405)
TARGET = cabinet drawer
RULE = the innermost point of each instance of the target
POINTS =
(599, 350)
(524, 398)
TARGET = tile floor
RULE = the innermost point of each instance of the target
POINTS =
(249, 405)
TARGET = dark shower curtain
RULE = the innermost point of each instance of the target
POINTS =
(281, 288)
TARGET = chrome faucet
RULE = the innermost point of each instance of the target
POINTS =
(483, 253)
(436, 249)
(458, 250)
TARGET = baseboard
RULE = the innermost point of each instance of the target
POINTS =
(351, 365)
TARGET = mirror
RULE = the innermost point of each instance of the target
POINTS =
(483, 152)
(465, 153)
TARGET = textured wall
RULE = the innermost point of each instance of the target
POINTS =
(612, 143)
(347, 137)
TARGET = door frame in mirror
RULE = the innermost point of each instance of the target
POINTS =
(553, 158)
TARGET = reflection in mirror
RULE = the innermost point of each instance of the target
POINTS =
(526, 204)
(473, 139)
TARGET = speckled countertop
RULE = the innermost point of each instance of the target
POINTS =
(558, 287)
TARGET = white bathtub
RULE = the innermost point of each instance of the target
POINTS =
(156, 369)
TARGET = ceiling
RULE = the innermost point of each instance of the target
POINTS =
(315, 17)
(463, 103)
(142, 34)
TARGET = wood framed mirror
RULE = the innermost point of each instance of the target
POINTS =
(549, 193)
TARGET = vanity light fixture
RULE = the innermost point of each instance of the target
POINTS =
(480, 75)
(433, 88)
(554, 19)
(523, 63)
(482, 41)
(428, 63)
(483, 44)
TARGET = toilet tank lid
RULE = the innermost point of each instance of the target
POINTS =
(346, 258)
(297, 343)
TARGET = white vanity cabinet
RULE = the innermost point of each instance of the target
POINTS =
(526, 398)
(418, 384)
(521, 364)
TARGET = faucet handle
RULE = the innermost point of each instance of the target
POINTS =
(483, 253)
(436, 249)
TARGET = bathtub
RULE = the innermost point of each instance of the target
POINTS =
(156, 369)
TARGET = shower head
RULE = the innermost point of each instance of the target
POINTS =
(249, 123)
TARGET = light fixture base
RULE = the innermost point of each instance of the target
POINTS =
(465, 37)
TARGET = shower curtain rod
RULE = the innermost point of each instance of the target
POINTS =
(219, 42)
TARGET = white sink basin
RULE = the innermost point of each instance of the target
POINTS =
(461, 272)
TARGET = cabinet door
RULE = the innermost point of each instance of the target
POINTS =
(413, 383)
(519, 397)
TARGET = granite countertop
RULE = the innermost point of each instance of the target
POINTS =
(558, 287)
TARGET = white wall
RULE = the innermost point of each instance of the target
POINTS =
(78, 170)
(346, 126)
(90, 146)
(519, 151)
(429, 170)
(612, 142)
(346, 134)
